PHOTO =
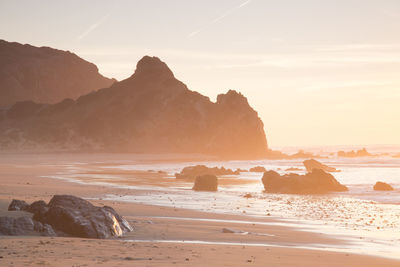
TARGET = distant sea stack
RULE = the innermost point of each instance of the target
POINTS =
(354, 154)
(44, 74)
(150, 112)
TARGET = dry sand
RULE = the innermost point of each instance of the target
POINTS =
(20, 179)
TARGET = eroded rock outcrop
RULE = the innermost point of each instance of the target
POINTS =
(206, 183)
(191, 172)
(381, 186)
(149, 112)
(311, 164)
(315, 182)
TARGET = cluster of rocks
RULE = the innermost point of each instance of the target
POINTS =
(353, 154)
(301, 154)
(315, 182)
(64, 215)
(205, 178)
(191, 172)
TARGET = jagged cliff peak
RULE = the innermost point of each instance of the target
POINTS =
(152, 67)
(232, 97)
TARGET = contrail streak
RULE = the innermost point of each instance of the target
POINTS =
(94, 26)
(227, 13)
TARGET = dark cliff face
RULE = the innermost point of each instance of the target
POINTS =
(150, 112)
(44, 75)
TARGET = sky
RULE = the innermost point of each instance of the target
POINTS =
(317, 72)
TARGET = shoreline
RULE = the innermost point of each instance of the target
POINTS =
(22, 180)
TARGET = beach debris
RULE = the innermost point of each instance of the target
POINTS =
(258, 169)
(311, 164)
(206, 183)
(24, 226)
(248, 195)
(381, 186)
(315, 182)
(74, 216)
(233, 231)
(240, 232)
(191, 172)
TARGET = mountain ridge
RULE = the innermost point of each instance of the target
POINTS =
(149, 112)
(44, 74)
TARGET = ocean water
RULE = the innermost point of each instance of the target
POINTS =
(368, 219)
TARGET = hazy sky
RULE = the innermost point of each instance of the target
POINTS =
(318, 72)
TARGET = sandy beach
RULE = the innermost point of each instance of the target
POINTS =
(162, 236)
(200, 133)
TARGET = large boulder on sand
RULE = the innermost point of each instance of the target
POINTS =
(206, 183)
(381, 186)
(315, 182)
(191, 172)
(78, 217)
(311, 164)
(68, 216)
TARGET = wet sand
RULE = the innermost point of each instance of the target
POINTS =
(268, 243)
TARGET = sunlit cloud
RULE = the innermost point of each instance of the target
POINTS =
(219, 18)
